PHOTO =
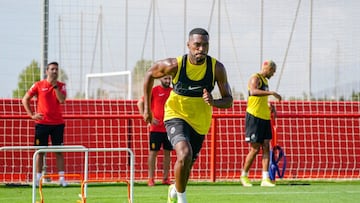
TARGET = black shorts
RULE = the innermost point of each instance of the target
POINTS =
(256, 129)
(179, 130)
(157, 139)
(42, 133)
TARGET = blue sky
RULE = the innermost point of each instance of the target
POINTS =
(336, 40)
(19, 40)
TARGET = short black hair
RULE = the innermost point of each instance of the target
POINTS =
(52, 63)
(199, 31)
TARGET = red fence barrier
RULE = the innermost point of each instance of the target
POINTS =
(320, 139)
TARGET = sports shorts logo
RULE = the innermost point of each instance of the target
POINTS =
(172, 130)
(253, 136)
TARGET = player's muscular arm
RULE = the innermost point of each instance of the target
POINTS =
(254, 83)
(226, 99)
(157, 70)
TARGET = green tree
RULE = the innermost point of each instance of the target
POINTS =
(62, 75)
(355, 96)
(138, 75)
(27, 78)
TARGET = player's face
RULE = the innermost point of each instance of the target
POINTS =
(270, 72)
(198, 48)
(165, 81)
(52, 71)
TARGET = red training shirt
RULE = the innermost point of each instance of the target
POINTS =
(47, 103)
(159, 96)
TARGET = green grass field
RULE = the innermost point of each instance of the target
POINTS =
(220, 192)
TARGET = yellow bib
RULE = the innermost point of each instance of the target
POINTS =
(191, 109)
(258, 105)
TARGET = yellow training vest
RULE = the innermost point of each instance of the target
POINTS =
(258, 105)
(191, 109)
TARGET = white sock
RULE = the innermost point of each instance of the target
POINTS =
(61, 176)
(38, 176)
(173, 192)
(265, 175)
(181, 197)
(243, 173)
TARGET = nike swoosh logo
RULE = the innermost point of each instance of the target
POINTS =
(194, 88)
(160, 95)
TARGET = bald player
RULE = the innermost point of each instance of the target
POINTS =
(257, 124)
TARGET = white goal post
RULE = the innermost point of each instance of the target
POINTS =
(108, 74)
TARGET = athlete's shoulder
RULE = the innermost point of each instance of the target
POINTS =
(180, 58)
(42, 82)
(256, 75)
(156, 88)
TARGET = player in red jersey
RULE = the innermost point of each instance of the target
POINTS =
(158, 135)
(50, 93)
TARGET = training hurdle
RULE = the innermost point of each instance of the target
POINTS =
(86, 159)
(28, 148)
(83, 184)
(50, 176)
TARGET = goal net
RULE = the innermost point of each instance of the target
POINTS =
(111, 85)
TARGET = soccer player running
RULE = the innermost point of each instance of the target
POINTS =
(257, 122)
(158, 136)
(188, 110)
(48, 118)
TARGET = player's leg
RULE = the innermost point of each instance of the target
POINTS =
(178, 132)
(151, 166)
(265, 165)
(57, 139)
(254, 150)
(267, 136)
(182, 165)
(41, 139)
(154, 147)
(167, 159)
(196, 140)
(266, 182)
(39, 167)
(251, 136)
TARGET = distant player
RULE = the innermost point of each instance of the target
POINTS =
(257, 124)
(158, 136)
(50, 94)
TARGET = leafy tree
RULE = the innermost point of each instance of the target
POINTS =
(355, 96)
(27, 78)
(138, 75)
(62, 75)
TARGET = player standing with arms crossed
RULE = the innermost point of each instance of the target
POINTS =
(188, 110)
(48, 118)
(257, 124)
(158, 136)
